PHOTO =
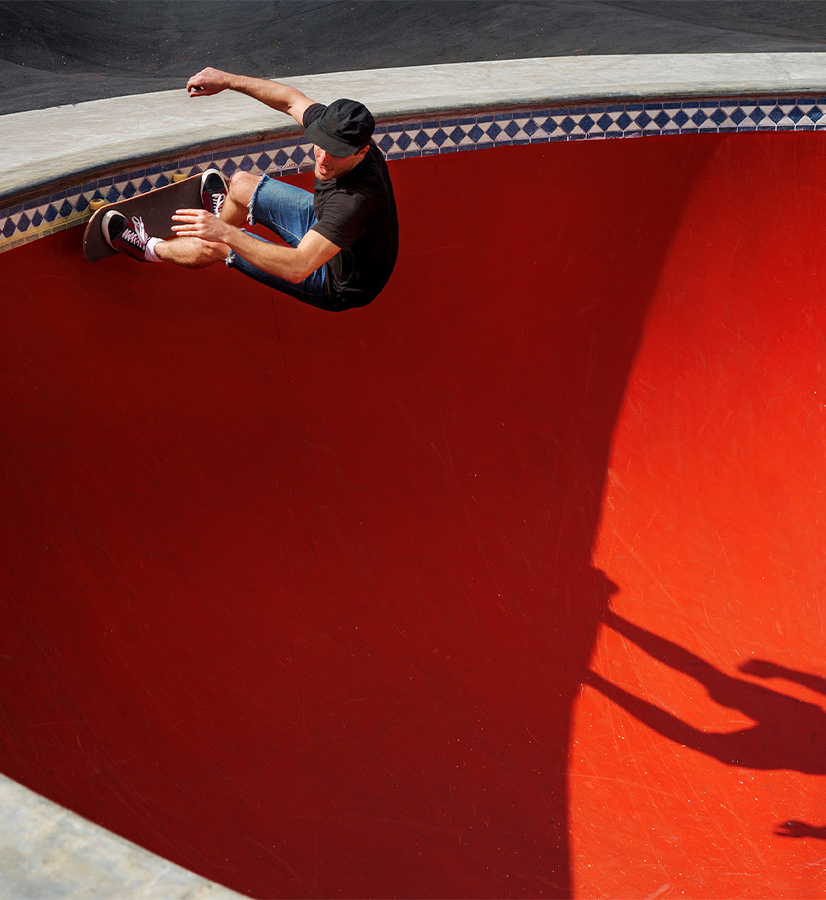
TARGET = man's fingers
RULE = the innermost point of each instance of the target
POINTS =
(189, 215)
(205, 83)
(195, 85)
(189, 219)
(197, 223)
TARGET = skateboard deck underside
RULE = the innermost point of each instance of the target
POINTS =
(156, 208)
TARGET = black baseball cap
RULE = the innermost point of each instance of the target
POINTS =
(343, 128)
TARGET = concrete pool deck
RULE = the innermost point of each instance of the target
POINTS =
(44, 147)
(47, 851)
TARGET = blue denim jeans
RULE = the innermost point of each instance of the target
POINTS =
(288, 211)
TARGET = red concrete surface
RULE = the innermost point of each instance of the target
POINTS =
(448, 596)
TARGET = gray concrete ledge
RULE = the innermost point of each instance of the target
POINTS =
(47, 851)
(44, 146)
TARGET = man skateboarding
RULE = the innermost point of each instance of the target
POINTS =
(342, 240)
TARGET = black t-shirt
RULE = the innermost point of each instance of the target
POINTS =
(357, 212)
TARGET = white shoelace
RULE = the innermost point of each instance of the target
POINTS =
(138, 236)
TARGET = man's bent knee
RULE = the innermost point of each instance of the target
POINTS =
(242, 186)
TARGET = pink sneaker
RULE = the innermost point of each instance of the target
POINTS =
(123, 237)
(213, 191)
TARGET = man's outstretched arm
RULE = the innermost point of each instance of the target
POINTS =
(277, 96)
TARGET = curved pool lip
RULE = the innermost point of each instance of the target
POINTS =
(47, 147)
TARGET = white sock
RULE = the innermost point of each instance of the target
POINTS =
(149, 252)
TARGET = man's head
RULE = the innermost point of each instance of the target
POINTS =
(342, 132)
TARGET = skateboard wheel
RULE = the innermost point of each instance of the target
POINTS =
(96, 204)
(178, 176)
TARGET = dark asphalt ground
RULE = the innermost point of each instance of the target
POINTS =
(54, 52)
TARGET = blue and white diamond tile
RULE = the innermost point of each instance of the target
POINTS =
(751, 114)
(650, 120)
(428, 139)
(400, 140)
(483, 133)
(465, 134)
(519, 128)
(607, 122)
(577, 124)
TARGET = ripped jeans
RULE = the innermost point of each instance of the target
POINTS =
(288, 211)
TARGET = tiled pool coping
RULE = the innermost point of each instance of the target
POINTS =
(40, 216)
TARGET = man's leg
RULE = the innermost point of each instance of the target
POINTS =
(236, 206)
(190, 253)
(288, 211)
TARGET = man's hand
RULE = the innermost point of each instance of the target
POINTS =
(199, 223)
(795, 829)
(760, 668)
(208, 82)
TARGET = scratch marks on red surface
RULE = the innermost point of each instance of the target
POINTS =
(712, 533)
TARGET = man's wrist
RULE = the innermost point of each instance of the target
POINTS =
(231, 234)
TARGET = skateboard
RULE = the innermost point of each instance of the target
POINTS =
(156, 208)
